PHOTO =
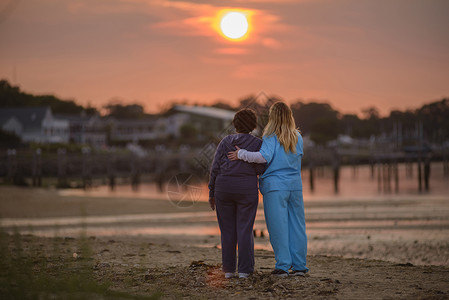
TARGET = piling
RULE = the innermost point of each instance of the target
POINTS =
(62, 173)
(111, 170)
(419, 175)
(372, 168)
(427, 172)
(36, 171)
(86, 168)
(12, 165)
(445, 164)
(135, 173)
(385, 177)
(409, 169)
(379, 176)
(389, 172)
(336, 171)
(355, 168)
(160, 166)
(396, 177)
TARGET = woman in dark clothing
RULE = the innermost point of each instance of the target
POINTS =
(234, 192)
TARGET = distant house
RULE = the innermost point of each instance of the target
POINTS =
(174, 122)
(34, 124)
(127, 130)
(206, 120)
(10, 124)
(203, 120)
(84, 129)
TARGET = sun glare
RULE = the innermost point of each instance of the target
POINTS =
(234, 25)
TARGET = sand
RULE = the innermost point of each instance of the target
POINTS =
(358, 249)
(145, 266)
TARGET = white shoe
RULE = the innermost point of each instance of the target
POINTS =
(298, 273)
(244, 275)
(229, 275)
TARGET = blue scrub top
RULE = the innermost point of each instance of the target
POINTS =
(283, 172)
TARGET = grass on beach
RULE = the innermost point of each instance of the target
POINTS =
(28, 272)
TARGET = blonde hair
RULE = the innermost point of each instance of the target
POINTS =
(282, 124)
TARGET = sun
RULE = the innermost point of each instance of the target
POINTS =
(234, 25)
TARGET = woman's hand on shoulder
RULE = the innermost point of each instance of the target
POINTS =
(233, 155)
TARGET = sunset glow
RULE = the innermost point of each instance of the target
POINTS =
(352, 54)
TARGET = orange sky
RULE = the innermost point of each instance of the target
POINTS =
(350, 53)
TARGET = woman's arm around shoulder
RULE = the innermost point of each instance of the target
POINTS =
(248, 156)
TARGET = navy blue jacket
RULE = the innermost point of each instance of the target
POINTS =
(235, 176)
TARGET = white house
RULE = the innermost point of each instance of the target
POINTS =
(11, 124)
(134, 130)
(34, 124)
(84, 129)
(174, 123)
(207, 120)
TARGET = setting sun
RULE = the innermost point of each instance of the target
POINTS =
(234, 25)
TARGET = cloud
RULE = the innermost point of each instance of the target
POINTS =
(193, 26)
(232, 51)
(102, 7)
(272, 1)
(186, 18)
(221, 61)
(259, 70)
(271, 43)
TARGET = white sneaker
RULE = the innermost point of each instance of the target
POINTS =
(298, 273)
(243, 275)
(229, 275)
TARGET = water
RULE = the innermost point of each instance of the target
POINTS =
(360, 183)
(360, 221)
(404, 229)
(352, 185)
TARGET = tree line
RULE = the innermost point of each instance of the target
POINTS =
(318, 120)
(322, 123)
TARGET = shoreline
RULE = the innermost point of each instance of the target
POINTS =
(399, 230)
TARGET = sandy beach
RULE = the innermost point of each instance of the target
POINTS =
(361, 248)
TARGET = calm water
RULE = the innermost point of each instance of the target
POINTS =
(353, 184)
(411, 229)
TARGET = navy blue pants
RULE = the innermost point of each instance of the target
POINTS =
(236, 214)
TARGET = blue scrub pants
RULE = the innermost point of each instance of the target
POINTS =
(284, 215)
(236, 214)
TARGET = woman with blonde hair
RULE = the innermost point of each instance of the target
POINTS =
(281, 187)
